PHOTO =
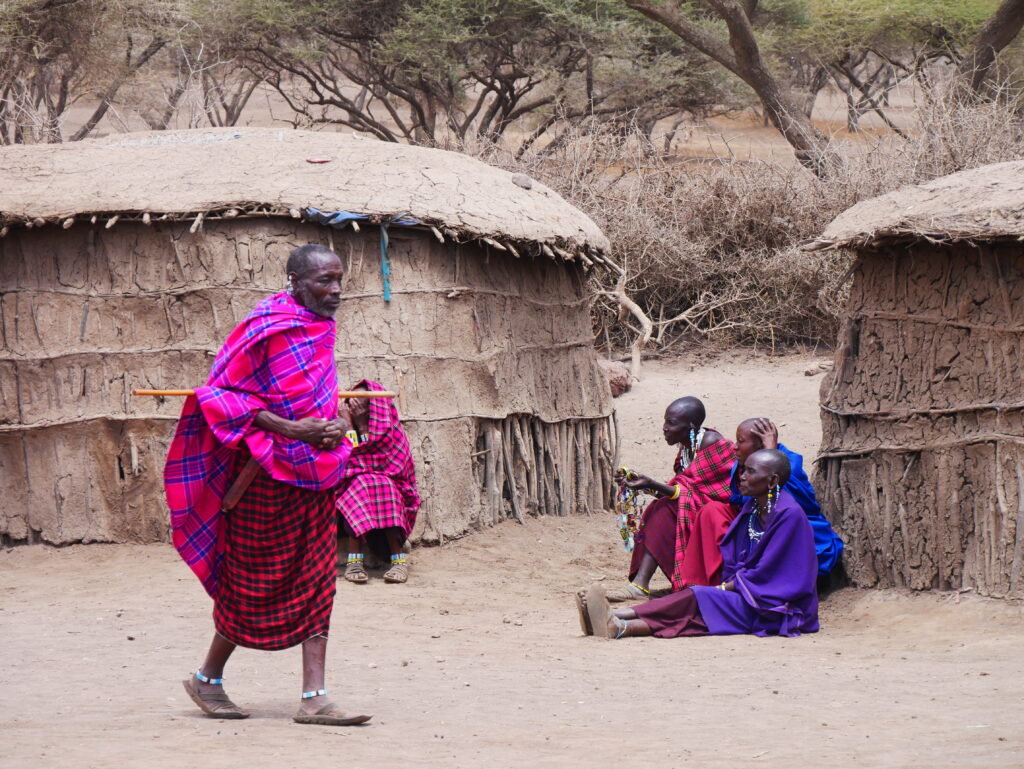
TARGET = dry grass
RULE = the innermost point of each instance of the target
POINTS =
(711, 250)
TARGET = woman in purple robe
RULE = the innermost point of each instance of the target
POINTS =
(768, 576)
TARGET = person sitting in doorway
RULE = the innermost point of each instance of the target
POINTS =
(377, 498)
(768, 575)
(701, 476)
(703, 562)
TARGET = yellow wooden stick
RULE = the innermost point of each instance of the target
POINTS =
(343, 394)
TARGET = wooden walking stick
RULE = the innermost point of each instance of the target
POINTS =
(251, 468)
(344, 394)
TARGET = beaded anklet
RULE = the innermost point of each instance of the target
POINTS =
(208, 680)
(314, 693)
(355, 558)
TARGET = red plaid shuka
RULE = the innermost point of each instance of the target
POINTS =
(279, 359)
(705, 480)
(379, 486)
(277, 579)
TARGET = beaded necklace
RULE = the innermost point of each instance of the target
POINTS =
(756, 534)
(686, 457)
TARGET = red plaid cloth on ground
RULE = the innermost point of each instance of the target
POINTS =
(705, 480)
(379, 485)
(277, 579)
(279, 359)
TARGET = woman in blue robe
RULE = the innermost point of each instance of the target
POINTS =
(768, 578)
(754, 434)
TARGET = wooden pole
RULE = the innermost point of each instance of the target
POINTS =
(343, 394)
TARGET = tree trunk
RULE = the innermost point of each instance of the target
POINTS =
(742, 56)
(997, 33)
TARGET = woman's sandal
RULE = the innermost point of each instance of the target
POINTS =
(603, 621)
(399, 571)
(631, 592)
(214, 704)
(329, 715)
(584, 617)
(355, 573)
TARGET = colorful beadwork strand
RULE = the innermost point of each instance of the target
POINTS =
(627, 510)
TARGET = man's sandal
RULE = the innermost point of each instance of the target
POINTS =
(328, 715)
(399, 571)
(631, 592)
(354, 571)
(214, 704)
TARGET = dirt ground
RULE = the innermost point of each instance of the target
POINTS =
(479, 661)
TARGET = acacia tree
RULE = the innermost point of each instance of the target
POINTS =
(54, 53)
(429, 71)
(739, 52)
(996, 33)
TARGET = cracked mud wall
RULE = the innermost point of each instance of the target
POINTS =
(471, 336)
(922, 467)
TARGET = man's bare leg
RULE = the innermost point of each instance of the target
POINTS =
(217, 657)
(205, 686)
(314, 657)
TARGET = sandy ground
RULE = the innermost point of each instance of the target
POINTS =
(479, 661)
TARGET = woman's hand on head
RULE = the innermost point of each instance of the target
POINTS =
(767, 432)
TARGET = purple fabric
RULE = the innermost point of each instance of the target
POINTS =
(775, 578)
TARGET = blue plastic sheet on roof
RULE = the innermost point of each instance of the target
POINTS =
(339, 219)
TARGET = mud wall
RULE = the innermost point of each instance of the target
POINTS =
(922, 467)
(470, 338)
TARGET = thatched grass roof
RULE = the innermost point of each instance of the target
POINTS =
(982, 204)
(238, 172)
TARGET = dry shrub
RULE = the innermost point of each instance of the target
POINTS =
(711, 250)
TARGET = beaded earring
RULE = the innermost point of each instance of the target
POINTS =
(290, 287)
(773, 496)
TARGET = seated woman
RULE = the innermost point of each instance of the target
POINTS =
(701, 476)
(769, 573)
(703, 562)
(377, 498)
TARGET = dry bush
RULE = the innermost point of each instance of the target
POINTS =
(711, 251)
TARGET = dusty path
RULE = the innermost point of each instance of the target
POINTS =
(479, 661)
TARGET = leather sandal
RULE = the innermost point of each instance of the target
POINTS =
(214, 704)
(355, 573)
(398, 573)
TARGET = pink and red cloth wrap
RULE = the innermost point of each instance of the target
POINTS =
(279, 359)
(378, 489)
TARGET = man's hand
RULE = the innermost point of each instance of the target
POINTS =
(767, 432)
(336, 429)
(313, 430)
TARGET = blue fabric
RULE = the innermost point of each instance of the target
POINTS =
(827, 543)
(339, 219)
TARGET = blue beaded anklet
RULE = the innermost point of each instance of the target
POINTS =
(314, 693)
(208, 680)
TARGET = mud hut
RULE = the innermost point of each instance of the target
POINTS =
(922, 460)
(125, 261)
